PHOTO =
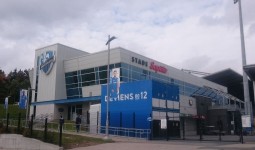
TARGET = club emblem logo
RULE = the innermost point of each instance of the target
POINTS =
(47, 61)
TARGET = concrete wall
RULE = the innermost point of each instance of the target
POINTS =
(46, 83)
(91, 60)
(44, 110)
(188, 105)
(52, 86)
(190, 126)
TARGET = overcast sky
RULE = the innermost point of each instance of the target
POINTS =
(201, 35)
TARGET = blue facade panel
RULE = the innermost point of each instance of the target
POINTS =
(165, 91)
(132, 106)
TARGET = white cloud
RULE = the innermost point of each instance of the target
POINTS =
(197, 35)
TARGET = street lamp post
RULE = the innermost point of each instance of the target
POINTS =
(108, 95)
(245, 78)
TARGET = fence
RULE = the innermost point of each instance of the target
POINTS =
(42, 124)
(201, 133)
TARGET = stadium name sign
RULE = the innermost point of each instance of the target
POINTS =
(157, 68)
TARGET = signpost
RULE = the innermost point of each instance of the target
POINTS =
(246, 121)
(163, 124)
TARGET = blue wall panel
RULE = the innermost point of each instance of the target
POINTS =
(165, 91)
(134, 97)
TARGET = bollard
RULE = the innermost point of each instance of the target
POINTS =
(61, 122)
(183, 129)
(7, 122)
(45, 129)
(60, 134)
(201, 130)
(220, 135)
(97, 120)
(31, 125)
(220, 126)
(241, 137)
(19, 122)
(167, 138)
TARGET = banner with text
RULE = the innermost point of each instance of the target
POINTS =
(130, 107)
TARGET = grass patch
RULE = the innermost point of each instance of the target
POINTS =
(13, 110)
(72, 141)
(68, 140)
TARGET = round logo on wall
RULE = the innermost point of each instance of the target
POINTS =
(47, 60)
(190, 102)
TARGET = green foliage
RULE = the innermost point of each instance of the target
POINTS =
(11, 84)
(13, 111)
(26, 132)
(3, 85)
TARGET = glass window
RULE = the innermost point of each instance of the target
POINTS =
(136, 76)
(103, 75)
(74, 73)
(111, 66)
(71, 92)
(88, 70)
(124, 65)
(88, 83)
(123, 72)
(117, 65)
(88, 77)
(104, 81)
(71, 80)
(69, 86)
(102, 68)
(124, 79)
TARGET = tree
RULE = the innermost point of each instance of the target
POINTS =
(17, 80)
(3, 86)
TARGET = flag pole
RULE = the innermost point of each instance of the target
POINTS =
(27, 105)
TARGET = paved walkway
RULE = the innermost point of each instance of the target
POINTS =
(18, 142)
(167, 146)
(127, 143)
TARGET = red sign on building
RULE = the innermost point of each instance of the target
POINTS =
(157, 68)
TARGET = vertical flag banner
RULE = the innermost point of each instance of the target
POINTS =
(23, 99)
(114, 83)
(6, 103)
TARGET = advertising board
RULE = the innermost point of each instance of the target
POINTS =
(130, 107)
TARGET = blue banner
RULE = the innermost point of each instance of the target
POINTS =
(129, 108)
(23, 99)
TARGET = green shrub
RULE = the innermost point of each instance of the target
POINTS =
(26, 132)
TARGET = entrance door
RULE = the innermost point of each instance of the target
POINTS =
(73, 110)
(173, 128)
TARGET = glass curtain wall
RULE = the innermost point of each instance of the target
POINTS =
(128, 73)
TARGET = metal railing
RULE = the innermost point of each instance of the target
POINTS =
(128, 132)
(85, 128)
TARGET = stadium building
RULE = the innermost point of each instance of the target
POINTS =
(67, 81)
